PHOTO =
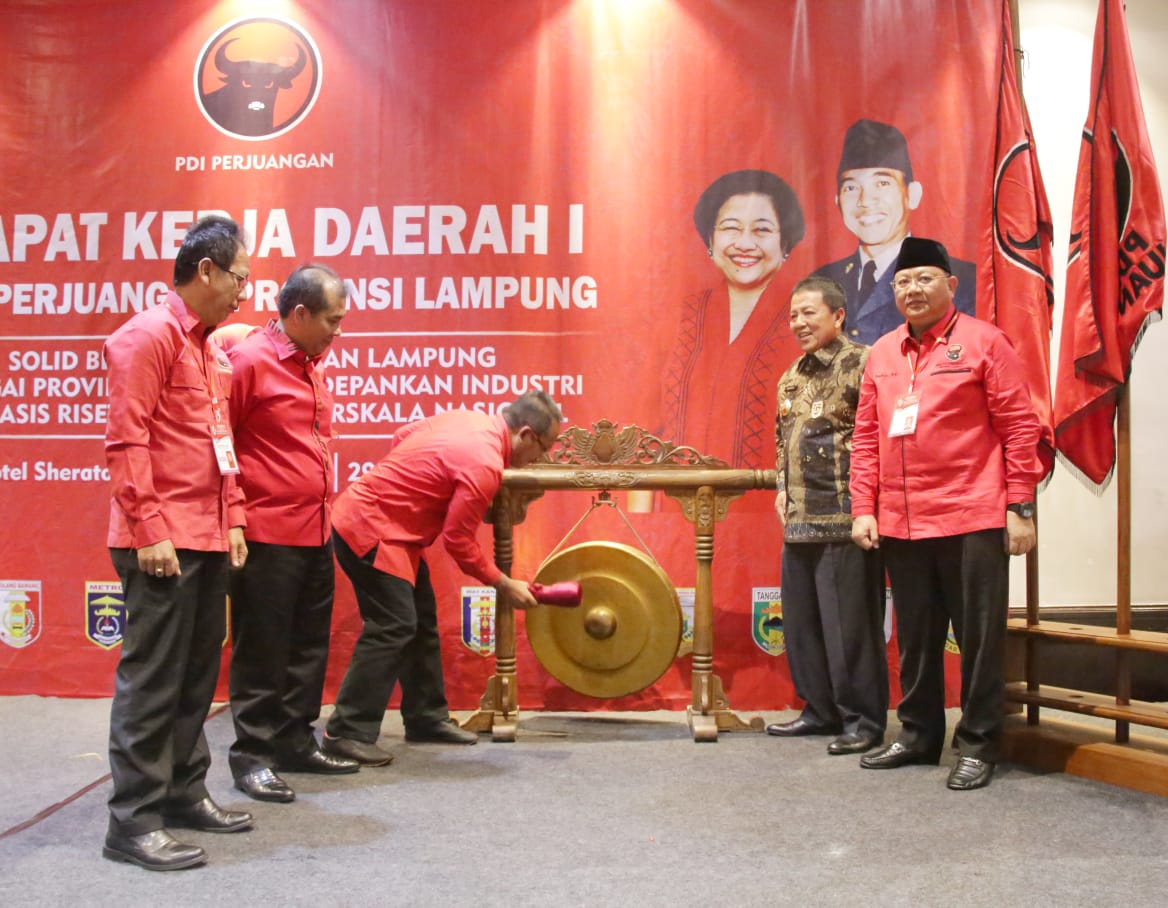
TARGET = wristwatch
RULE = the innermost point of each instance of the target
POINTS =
(1025, 510)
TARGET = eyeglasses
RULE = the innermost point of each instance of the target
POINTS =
(925, 281)
(544, 448)
(240, 280)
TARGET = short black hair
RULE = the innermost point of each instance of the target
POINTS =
(214, 237)
(745, 182)
(306, 287)
(832, 293)
(535, 409)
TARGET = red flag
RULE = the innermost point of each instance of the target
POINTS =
(1021, 290)
(1115, 275)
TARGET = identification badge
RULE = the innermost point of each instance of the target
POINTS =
(224, 449)
(817, 409)
(904, 417)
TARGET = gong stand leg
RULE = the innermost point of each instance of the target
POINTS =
(710, 710)
(498, 712)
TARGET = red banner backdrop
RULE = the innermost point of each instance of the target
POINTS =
(509, 189)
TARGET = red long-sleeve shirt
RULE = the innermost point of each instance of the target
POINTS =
(975, 448)
(281, 416)
(438, 480)
(166, 380)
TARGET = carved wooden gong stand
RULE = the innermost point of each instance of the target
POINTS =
(607, 458)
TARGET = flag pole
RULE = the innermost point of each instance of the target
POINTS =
(1031, 663)
(1123, 554)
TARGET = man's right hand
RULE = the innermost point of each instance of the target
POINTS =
(865, 533)
(781, 507)
(159, 559)
(515, 593)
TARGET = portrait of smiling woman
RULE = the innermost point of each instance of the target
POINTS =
(719, 384)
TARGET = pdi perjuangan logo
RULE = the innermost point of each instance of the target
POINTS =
(257, 78)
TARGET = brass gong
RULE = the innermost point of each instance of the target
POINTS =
(625, 632)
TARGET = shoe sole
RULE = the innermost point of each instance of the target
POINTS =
(378, 762)
(112, 854)
(323, 772)
(171, 823)
(273, 798)
(456, 743)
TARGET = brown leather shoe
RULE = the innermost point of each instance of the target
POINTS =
(157, 850)
(206, 816)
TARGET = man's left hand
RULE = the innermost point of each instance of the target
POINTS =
(238, 546)
(1020, 534)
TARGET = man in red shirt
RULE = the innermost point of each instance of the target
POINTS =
(944, 467)
(282, 600)
(438, 480)
(176, 520)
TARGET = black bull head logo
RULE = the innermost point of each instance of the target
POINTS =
(245, 104)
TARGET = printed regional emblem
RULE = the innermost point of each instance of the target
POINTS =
(105, 613)
(951, 641)
(257, 78)
(20, 612)
(478, 619)
(767, 615)
(685, 598)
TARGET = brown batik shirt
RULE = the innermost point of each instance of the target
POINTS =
(817, 398)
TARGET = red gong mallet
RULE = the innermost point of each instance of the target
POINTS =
(566, 593)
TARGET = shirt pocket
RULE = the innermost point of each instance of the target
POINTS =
(186, 398)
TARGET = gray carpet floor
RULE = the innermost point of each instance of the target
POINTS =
(591, 809)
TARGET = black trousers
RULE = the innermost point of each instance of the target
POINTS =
(833, 624)
(281, 614)
(163, 686)
(398, 642)
(964, 579)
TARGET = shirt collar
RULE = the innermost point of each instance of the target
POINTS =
(884, 260)
(284, 346)
(188, 320)
(824, 356)
(504, 431)
(931, 334)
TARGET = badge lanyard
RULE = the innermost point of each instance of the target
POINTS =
(908, 405)
(221, 439)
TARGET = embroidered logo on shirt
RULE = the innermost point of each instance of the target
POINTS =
(953, 352)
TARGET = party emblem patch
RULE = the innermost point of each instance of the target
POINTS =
(953, 352)
(105, 613)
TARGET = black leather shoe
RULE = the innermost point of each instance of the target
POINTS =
(440, 733)
(854, 742)
(362, 752)
(316, 760)
(265, 785)
(206, 816)
(157, 850)
(896, 755)
(969, 773)
(801, 726)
